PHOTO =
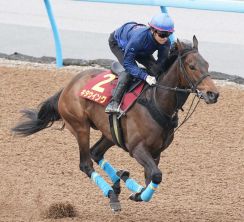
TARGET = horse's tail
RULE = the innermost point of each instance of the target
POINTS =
(46, 114)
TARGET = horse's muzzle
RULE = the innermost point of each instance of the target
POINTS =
(210, 97)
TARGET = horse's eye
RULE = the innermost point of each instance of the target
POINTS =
(192, 67)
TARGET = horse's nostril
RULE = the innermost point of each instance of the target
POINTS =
(212, 95)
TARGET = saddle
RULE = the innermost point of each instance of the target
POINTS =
(117, 68)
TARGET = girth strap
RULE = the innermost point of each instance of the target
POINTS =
(116, 130)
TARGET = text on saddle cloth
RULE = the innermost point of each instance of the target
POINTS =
(99, 89)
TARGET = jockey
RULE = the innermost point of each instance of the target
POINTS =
(135, 42)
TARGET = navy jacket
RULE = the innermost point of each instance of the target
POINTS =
(136, 40)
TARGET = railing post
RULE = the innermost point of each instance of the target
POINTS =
(59, 57)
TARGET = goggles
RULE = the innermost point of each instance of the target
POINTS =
(163, 34)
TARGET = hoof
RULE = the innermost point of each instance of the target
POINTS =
(115, 206)
(114, 202)
(135, 197)
(123, 174)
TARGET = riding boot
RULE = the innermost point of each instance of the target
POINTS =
(113, 106)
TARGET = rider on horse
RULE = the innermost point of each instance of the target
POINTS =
(135, 42)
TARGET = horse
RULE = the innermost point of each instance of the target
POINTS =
(148, 126)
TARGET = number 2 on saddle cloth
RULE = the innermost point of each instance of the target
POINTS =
(99, 89)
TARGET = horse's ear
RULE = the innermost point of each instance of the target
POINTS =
(195, 42)
(179, 45)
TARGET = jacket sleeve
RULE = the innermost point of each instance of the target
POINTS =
(130, 64)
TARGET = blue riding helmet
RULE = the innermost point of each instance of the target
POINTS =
(162, 22)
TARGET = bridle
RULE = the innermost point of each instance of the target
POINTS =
(192, 85)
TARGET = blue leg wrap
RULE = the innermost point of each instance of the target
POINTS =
(148, 192)
(110, 171)
(133, 186)
(101, 183)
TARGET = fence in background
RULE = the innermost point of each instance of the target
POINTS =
(210, 5)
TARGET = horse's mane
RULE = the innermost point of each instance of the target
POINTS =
(174, 52)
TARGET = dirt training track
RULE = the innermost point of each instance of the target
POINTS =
(203, 168)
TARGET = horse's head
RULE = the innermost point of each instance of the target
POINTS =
(194, 72)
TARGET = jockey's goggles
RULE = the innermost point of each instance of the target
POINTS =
(163, 34)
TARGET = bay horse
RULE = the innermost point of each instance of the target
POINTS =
(148, 127)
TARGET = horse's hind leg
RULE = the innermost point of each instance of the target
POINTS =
(97, 152)
(81, 131)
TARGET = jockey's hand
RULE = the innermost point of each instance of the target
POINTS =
(151, 80)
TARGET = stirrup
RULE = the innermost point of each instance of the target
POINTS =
(111, 109)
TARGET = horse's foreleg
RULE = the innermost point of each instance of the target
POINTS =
(97, 152)
(147, 172)
(150, 165)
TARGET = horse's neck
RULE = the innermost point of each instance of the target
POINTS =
(166, 99)
(171, 78)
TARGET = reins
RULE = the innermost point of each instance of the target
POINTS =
(176, 89)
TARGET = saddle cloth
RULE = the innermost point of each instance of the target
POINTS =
(99, 89)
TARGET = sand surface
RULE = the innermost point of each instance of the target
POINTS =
(203, 168)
